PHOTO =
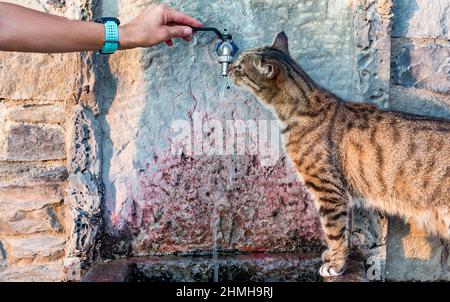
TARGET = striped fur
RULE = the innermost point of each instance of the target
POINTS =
(347, 152)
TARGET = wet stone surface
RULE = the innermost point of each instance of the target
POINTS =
(236, 268)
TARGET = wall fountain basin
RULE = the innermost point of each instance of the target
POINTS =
(254, 267)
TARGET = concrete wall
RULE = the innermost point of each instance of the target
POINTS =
(86, 164)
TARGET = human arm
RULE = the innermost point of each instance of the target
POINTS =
(27, 30)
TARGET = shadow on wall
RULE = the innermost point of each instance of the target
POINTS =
(406, 9)
(105, 90)
(413, 256)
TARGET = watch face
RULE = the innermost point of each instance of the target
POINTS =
(106, 19)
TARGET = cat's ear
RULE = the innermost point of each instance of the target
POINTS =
(281, 42)
(268, 69)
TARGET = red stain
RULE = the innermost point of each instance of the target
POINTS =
(260, 209)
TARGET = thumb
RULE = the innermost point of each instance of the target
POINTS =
(178, 31)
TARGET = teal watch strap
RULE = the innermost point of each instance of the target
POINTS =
(111, 35)
(111, 38)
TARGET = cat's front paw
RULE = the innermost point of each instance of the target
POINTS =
(332, 268)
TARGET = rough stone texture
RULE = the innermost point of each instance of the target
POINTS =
(421, 19)
(50, 114)
(19, 222)
(372, 26)
(32, 143)
(258, 209)
(27, 210)
(422, 65)
(21, 74)
(35, 90)
(151, 197)
(31, 173)
(119, 132)
(51, 272)
(369, 236)
(84, 190)
(3, 261)
(420, 101)
(37, 248)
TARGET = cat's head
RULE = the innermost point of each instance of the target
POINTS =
(263, 70)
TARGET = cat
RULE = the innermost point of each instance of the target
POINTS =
(351, 153)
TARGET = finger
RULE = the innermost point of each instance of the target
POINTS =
(180, 18)
(187, 38)
(178, 31)
(169, 43)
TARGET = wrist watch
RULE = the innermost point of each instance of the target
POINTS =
(111, 35)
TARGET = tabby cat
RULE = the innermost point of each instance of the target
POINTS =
(352, 154)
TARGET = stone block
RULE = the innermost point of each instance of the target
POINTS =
(413, 256)
(37, 114)
(42, 76)
(18, 222)
(36, 248)
(50, 272)
(422, 65)
(421, 19)
(167, 203)
(26, 210)
(33, 142)
(31, 173)
(419, 101)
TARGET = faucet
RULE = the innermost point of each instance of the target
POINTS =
(226, 49)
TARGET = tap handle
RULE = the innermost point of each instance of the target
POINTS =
(223, 37)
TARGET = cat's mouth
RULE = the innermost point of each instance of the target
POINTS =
(232, 74)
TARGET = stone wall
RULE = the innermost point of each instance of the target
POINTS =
(36, 94)
(87, 167)
(420, 84)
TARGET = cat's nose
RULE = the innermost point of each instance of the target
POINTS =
(231, 69)
(234, 67)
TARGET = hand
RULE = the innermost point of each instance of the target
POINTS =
(156, 24)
